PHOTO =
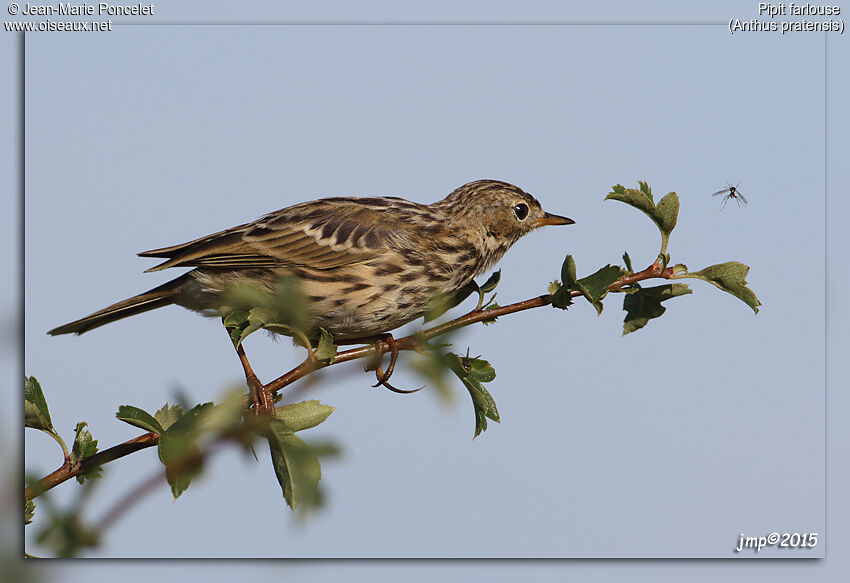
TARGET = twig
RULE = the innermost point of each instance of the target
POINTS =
(133, 496)
(68, 470)
(414, 341)
(149, 485)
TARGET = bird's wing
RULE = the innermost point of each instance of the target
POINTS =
(320, 235)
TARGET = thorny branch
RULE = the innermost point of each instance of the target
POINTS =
(412, 342)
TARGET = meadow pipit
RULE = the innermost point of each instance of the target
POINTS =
(365, 265)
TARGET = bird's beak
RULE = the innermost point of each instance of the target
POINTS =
(549, 219)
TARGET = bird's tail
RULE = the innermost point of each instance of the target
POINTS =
(150, 300)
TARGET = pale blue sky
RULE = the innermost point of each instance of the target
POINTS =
(666, 443)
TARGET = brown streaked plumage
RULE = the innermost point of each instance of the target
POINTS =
(367, 265)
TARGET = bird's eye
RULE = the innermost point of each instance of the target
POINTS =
(521, 210)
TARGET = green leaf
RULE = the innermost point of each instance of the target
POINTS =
(479, 369)
(492, 306)
(326, 349)
(237, 322)
(731, 278)
(236, 319)
(568, 272)
(303, 415)
(483, 401)
(491, 282)
(84, 446)
(472, 372)
(191, 421)
(259, 317)
(593, 287)
(640, 199)
(667, 213)
(562, 298)
(664, 214)
(645, 304)
(182, 459)
(139, 418)
(29, 511)
(36, 413)
(554, 286)
(226, 415)
(168, 415)
(442, 304)
(176, 445)
(628, 262)
(296, 466)
(488, 286)
(67, 535)
(253, 320)
(433, 365)
(325, 449)
(177, 448)
(284, 305)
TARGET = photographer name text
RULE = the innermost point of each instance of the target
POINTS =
(99, 9)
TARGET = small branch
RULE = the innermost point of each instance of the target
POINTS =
(135, 495)
(650, 272)
(414, 341)
(480, 315)
(68, 471)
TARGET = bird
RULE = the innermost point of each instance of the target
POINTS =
(365, 265)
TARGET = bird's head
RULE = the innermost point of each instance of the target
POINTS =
(499, 210)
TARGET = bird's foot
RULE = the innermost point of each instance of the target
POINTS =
(262, 399)
(382, 376)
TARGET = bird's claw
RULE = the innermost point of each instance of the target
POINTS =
(262, 400)
(384, 376)
(379, 372)
(387, 385)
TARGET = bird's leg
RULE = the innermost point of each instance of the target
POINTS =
(383, 377)
(262, 400)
